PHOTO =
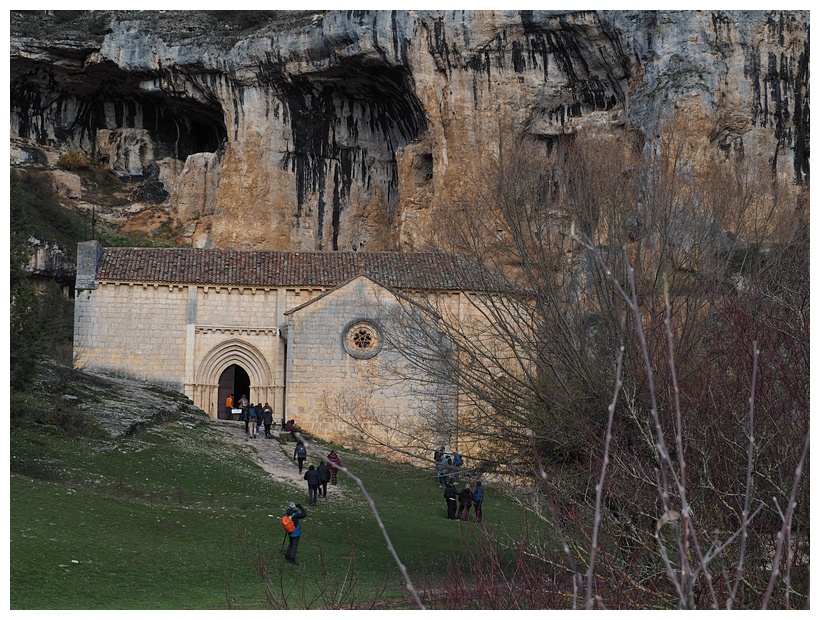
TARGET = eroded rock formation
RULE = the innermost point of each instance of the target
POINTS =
(350, 130)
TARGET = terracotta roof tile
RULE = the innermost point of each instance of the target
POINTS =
(416, 271)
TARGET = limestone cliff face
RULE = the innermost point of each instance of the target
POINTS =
(350, 130)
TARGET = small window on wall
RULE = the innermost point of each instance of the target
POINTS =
(361, 340)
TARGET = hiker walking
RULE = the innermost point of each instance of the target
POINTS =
(450, 494)
(324, 478)
(335, 464)
(312, 477)
(300, 454)
(478, 497)
(259, 414)
(465, 502)
(243, 402)
(267, 419)
(293, 544)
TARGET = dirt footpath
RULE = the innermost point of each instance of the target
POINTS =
(275, 458)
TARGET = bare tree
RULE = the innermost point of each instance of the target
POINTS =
(685, 262)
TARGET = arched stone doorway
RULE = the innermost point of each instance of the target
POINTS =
(233, 380)
(213, 375)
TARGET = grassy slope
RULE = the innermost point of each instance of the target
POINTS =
(158, 520)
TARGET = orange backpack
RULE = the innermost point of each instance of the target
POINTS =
(288, 524)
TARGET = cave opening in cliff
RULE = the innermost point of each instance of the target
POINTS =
(348, 123)
(72, 109)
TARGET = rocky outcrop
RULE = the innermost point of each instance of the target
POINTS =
(351, 130)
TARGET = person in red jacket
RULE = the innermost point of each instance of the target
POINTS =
(334, 465)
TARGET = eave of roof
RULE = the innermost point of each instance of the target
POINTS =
(272, 268)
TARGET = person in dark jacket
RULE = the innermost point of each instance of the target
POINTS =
(300, 454)
(450, 494)
(267, 419)
(243, 403)
(465, 502)
(335, 464)
(324, 478)
(252, 420)
(478, 497)
(312, 477)
(293, 544)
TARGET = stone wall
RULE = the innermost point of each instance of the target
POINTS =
(184, 337)
(137, 330)
(343, 396)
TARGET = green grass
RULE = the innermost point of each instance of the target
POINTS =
(159, 520)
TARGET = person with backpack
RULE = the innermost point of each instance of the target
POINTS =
(293, 530)
(465, 502)
(478, 497)
(300, 454)
(313, 480)
(324, 478)
(335, 464)
(450, 494)
(252, 420)
(259, 414)
(458, 461)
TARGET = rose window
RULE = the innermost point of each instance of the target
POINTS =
(362, 340)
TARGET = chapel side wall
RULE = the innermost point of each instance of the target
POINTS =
(135, 330)
(325, 380)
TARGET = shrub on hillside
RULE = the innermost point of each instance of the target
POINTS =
(73, 161)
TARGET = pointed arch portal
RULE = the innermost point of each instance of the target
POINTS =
(232, 366)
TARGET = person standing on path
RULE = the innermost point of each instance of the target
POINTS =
(293, 544)
(267, 419)
(243, 403)
(324, 478)
(259, 414)
(229, 406)
(335, 464)
(450, 494)
(300, 454)
(312, 477)
(252, 420)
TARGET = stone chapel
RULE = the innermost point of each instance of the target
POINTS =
(305, 332)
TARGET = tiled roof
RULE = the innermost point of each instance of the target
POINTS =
(415, 271)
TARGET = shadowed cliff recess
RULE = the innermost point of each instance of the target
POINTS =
(359, 130)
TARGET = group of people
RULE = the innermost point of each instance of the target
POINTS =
(466, 499)
(254, 416)
(448, 475)
(317, 479)
(447, 466)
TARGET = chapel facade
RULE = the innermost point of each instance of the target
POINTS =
(310, 333)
